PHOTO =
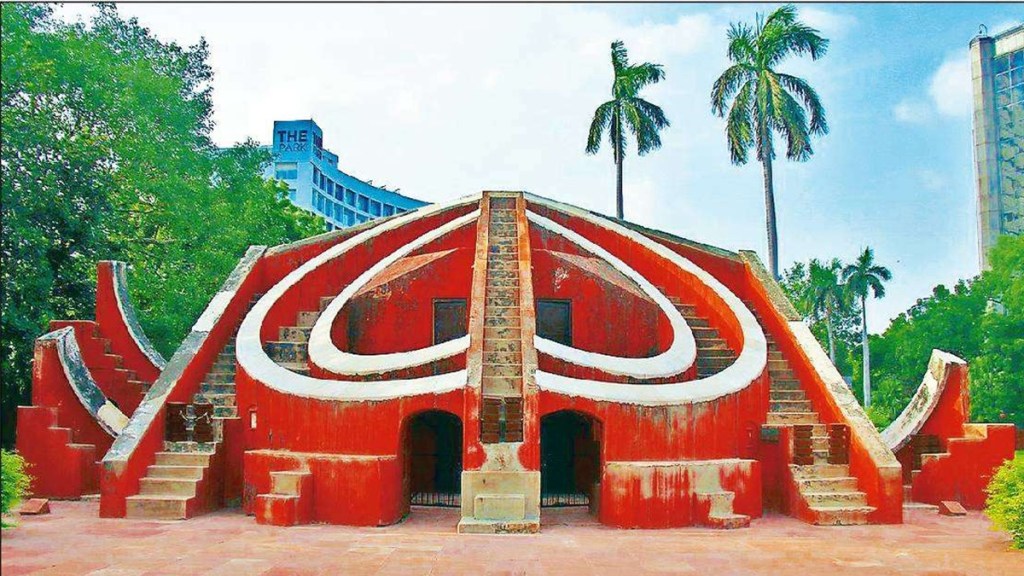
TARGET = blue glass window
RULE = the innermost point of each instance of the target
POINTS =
(374, 207)
(364, 203)
(350, 197)
(389, 210)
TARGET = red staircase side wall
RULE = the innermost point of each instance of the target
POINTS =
(113, 326)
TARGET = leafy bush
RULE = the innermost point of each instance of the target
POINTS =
(14, 481)
(1005, 505)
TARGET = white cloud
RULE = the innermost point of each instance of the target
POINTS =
(831, 24)
(950, 86)
(912, 110)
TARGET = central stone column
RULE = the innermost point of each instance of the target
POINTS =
(501, 485)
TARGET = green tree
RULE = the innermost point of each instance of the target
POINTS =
(627, 110)
(106, 155)
(843, 334)
(861, 277)
(828, 296)
(766, 101)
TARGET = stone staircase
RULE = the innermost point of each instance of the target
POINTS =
(502, 368)
(178, 485)
(290, 500)
(121, 385)
(720, 510)
(713, 354)
(291, 349)
(828, 491)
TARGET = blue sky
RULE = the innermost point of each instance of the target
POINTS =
(444, 100)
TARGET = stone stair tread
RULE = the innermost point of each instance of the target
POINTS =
(839, 506)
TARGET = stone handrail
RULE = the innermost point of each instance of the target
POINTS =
(107, 415)
(921, 406)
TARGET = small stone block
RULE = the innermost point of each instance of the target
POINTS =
(505, 507)
(35, 506)
(951, 508)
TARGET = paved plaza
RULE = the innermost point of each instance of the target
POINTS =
(72, 540)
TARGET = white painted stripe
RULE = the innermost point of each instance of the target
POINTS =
(255, 361)
(749, 365)
(675, 360)
(323, 352)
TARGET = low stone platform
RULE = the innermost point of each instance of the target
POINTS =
(72, 540)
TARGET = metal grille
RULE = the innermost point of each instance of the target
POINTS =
(439, 499)
(561, 500)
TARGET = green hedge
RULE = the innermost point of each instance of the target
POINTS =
(1005, 505)
(14, 481)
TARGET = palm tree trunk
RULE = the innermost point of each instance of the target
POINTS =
(769, 211)
(618, 186)
(866, 350)
(831, 337)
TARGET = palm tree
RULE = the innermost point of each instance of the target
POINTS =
(828, 296)
(625, 110)
(765, 101)
(861, 277)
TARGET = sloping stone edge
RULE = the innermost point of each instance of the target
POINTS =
(921, 406)
(131, 321)
(107, 415)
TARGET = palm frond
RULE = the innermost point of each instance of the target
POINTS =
(742, 43)
(727, 85)
(739, 128)
(791, 121)
(799, 87)
(601, 121)
(620, 58)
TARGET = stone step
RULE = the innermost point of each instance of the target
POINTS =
(501, 333)
(220, 377)
(715, 362)
(294, 333)
(501, 322)
(791, 406)
(190, 447)
(827, 484)
(217, 388)
(820, 471)
(502, 345)
(501, 385)
(781, 374)
(306, 318)
(287, 351)
(502, 370)
(777, 366)
(187, 472)
(777, 418)
(775, 355)
(684, 309)
(501, 301)
(776, 394)
(841, 516)
(225, 412)
(697, 322)
(215, 399)
(168, 486)
(182, 459)
(728, 521)
(716, 352)
(287, 482)
(787, 384)
(835, 499)
(514, 357)
(156, 507)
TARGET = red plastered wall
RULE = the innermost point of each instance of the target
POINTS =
(112, 326)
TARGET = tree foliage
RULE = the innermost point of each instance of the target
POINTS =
(14, 481)
(627, 111)
(107, 155)
(981, 321)
(1005, 503)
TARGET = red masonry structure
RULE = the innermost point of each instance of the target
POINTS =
(501, 353)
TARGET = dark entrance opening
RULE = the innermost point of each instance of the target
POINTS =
(434, 459)
(554, 320)
(570, 459)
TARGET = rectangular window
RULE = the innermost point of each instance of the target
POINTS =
(554, 320)
(389, 210)
(350, 197)
(291, 194)
(450, 319)
(286, 171)
(350, 217)
(364, 203)
(316, 175)
(374, 207)
(360, 218)
(337, 212)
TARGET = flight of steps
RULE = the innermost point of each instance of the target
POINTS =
(828, 490)
(289, 502)
(178, 486)
(502, 370)
(713, 354)
(291, 349)
(121, 385)
(720, 510)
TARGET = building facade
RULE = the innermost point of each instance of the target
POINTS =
(315, 183)
(997, 74)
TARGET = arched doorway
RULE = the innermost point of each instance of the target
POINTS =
(570, 458)
(433, 460)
